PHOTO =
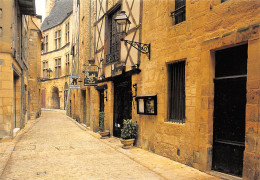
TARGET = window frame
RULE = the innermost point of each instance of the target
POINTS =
(67, 32)
(58, 67)
(176, 98)
(112, 56)
(45, 66)
(179, 14)
(57, 39)
(67, 63)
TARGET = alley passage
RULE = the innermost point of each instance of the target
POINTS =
(56, 148)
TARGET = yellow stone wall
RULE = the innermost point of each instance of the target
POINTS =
(49, 84)
(13, 65)
(34, 67)
(209, 26)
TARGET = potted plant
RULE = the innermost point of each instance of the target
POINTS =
(102, 132)
(128, 133)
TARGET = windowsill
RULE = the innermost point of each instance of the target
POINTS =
(56, 49)
(173, 123)
(179, 26)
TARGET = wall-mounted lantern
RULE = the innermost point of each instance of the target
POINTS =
(123, 24)
(135, 92)
(49, 72)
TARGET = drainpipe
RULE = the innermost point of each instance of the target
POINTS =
(89, 20)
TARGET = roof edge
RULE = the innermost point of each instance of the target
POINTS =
(59, 23)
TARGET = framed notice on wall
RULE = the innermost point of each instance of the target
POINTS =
(147, 104)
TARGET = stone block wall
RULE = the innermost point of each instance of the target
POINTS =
(209, 26)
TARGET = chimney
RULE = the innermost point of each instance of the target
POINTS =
(49, 5)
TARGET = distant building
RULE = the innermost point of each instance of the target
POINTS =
(56, 58)
(15, 21)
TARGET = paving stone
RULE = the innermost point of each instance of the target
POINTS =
(56, 148)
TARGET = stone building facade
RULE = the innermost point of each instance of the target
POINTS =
(14, 63)
(34, 67)
(56, 57)
(196, 98)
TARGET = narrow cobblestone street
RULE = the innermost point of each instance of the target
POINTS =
(56, 148)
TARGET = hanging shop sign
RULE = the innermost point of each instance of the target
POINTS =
(147, 104)
(74, 82)
(117, 69)
(91, 78)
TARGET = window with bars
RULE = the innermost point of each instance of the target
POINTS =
(57, 67)
(176, 92)
(67, 64)
(114, 43)
(179, 14)
(67, 32)
(45, 69)
(46, 39)
(57, 39)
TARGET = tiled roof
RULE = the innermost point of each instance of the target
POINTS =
(60, 11)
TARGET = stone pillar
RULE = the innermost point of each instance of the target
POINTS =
(252, 150)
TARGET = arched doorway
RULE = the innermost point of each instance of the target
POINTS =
(55, 98)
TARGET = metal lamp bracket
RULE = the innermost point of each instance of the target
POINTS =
(141, 47)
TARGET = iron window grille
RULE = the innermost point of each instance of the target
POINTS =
(179, 14)
(176, 94)
(58, 67)
(114, 47)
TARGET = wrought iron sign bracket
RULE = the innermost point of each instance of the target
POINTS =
(141, 47)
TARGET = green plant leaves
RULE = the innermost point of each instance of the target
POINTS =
(101, 121)
(129, 130)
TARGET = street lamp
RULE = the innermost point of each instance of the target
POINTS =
(123, 24)
(49, 72)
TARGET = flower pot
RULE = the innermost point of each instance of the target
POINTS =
(127, 143)
(104, 134)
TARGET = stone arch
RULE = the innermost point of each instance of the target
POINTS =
(55, 98)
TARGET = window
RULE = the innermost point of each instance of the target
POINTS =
(68, 64)
(57, 39)
(179, 14)
(45, 69)
(223, 1)
(176, 94)
(45, 49)
(57, 67)
(67, 32)
(114, 43)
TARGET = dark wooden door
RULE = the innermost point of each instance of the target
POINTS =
(122, 103)
(43, 98)
(229, 110)
(84, 107)
(101, 101)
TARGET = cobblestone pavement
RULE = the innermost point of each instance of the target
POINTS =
(56, 148)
